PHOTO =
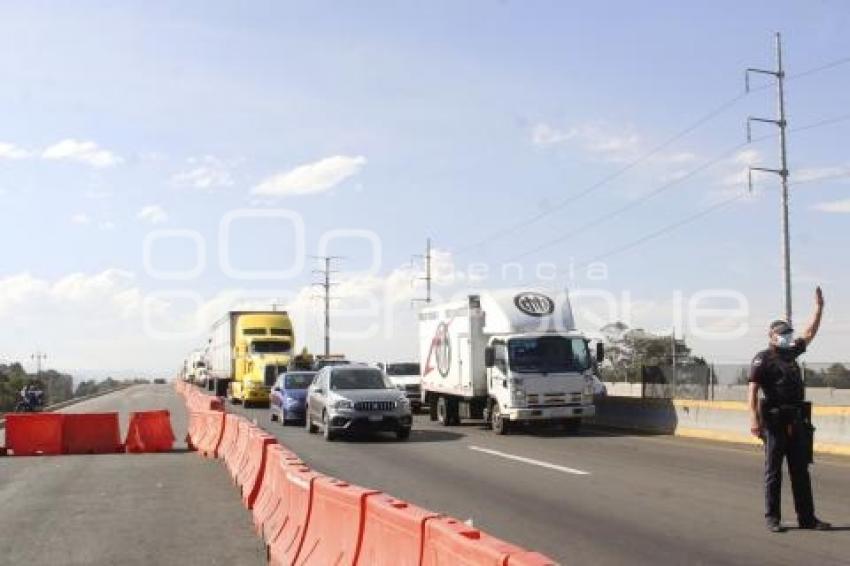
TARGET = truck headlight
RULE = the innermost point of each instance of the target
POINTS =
(403, 402)
(518, 394)
(343, 404)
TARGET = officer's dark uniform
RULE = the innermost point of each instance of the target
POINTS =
(786, 433)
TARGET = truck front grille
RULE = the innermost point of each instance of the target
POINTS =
(374, 405)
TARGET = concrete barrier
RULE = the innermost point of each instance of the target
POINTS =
(714, 420)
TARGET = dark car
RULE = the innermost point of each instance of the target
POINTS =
(289, 396)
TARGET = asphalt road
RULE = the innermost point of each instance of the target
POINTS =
(596, 498)
(127, 509)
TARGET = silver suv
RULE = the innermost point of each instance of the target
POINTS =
(356, 398)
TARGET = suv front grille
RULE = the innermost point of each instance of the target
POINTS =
(374, 405)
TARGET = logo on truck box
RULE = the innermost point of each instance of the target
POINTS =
(534, 304)
(440, 351)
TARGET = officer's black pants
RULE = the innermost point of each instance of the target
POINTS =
(779, 445)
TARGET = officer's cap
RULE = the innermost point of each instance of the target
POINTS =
(780, 327)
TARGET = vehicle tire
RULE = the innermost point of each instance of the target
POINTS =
(272, 416)
(326, 429)
(432, 407)
(443, 411)
(403, 433)
(308, 424)
(572, 425)
(498, 422)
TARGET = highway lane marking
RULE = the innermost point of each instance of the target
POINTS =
(531, 461)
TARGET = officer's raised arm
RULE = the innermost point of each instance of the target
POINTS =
(812, 329)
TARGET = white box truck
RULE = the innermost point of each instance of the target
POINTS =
(506, 356)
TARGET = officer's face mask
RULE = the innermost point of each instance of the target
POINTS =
(784, 341)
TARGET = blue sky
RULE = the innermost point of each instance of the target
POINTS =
(454, 120)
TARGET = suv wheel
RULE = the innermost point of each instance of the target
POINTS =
(308, 423)
(326, 428)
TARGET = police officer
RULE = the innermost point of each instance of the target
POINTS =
(780, 420)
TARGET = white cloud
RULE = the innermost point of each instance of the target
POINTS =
(544, 134)
(836, 206)
(106, 225)
(601, 141)
(809, 174)
(11, 151)
(311, 178)
(207, 172)
(153, 213)
(737, 169)
(83, 151)
(80, 218)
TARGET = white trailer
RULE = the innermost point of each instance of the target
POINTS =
(506, 356)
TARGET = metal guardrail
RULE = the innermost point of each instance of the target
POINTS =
(72, 401)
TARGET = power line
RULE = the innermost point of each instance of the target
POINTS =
(427, 278)
(696, 216)
(326, 285)
(667, 186)
(782, 124)
(513, 229)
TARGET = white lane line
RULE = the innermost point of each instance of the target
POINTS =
(531, 461)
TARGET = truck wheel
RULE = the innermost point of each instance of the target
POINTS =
(272, 416)
(572, 425)
(432, 408)
(326, 430)
(443, 411)
(402, 433)
(308, 424)
(498, 422)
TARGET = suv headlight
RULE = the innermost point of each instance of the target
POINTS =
(343, 404)
(403, 402)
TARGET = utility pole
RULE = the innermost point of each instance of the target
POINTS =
(780, 121)
(326, 285)
(427, 278)
(38, 356)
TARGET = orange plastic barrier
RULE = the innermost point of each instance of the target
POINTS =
(392, 533)
(271, 489)
(449, 541)
(239, 453)
(250, 477)
(213, 427)
(335, 527)
(31, 434)
(286, 541)
(91, 433)
(149, 431)
(227, 446)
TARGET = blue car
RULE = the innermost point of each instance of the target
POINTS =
(289, 396)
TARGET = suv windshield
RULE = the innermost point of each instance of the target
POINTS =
(547, 354)
(269, 347)
(298, 380)
(357, 378)
(402, 369)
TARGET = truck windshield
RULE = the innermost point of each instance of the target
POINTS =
(547, 354)
(357, 378)
(402, 369)
(269, 347)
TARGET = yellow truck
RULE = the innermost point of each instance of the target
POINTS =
(248, 350)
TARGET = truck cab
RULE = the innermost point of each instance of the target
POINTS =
(262, 351)
(539, 376)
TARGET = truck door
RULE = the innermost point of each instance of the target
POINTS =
(498, 384)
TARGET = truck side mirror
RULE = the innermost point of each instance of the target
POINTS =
(489, 356)
(600, 352)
